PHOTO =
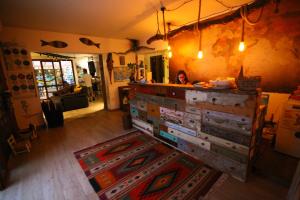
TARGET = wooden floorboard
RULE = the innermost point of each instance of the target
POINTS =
(51, 172)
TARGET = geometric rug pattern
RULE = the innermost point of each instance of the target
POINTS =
(137, 166)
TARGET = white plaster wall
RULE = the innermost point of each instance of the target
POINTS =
(112, 88)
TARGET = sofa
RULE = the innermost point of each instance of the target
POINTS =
(73, 100)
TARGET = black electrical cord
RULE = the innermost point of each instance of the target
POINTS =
(157, 21)
(179, 5)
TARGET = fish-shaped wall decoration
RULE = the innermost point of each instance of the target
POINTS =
(56, 44)
(89, 42)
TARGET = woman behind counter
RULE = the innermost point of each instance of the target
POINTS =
(181, 78)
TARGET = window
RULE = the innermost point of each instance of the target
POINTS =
(51, 74)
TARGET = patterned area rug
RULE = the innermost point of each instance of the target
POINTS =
(137, 166)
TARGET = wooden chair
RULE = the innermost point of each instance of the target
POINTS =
(18, 146)
(29, 133)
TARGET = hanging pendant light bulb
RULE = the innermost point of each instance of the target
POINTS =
(200, 52)
(170, 54)
(242, 46)
(242, 42)
(165, 34)
(169, 47)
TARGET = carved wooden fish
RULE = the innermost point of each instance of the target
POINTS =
(56, 44)
(89, 42)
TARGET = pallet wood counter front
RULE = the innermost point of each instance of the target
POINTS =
(218, 127)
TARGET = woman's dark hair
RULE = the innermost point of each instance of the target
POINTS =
(177, 79)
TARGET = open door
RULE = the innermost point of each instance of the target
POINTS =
(157, 68)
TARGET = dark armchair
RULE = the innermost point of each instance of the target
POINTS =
(74, 100)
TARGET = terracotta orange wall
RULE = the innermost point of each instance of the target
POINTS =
(273, 49)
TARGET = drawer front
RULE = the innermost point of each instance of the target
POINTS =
(191, 121)
(168, 136)
(236, 169)
(163, 128)
(142, 97)
(178, 93)
(193, 110)
(229, 153)
(142, 105)
(134, 111)
(193, 96)
(193, 116)
(174, 104)
(153, 110)
(188, 147)
(181, 128)
(132, 92)
(240, 124)
(142, 115)
(170, 112)
(133, 101)
(145, 90)
(155, 123)
(162, 91)
(171, 115)
(225, 143)
(143, 126)
(225, 134)
(227, 99)
(155, 100)
(194, 140)
(168, 118)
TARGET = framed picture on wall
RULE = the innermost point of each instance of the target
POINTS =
(122, 60)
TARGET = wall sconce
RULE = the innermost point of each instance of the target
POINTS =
(242, 42)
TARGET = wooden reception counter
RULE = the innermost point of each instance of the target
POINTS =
(218, 127)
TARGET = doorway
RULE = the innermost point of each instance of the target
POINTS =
(157, 68)
(54, 69)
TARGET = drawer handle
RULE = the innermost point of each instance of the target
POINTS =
(194, 98)
(237, 105)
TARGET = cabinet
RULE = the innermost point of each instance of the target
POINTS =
(124, 98)
(215, 126)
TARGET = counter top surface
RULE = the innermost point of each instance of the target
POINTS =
(191, 87)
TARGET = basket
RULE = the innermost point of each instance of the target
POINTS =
(248, 83)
